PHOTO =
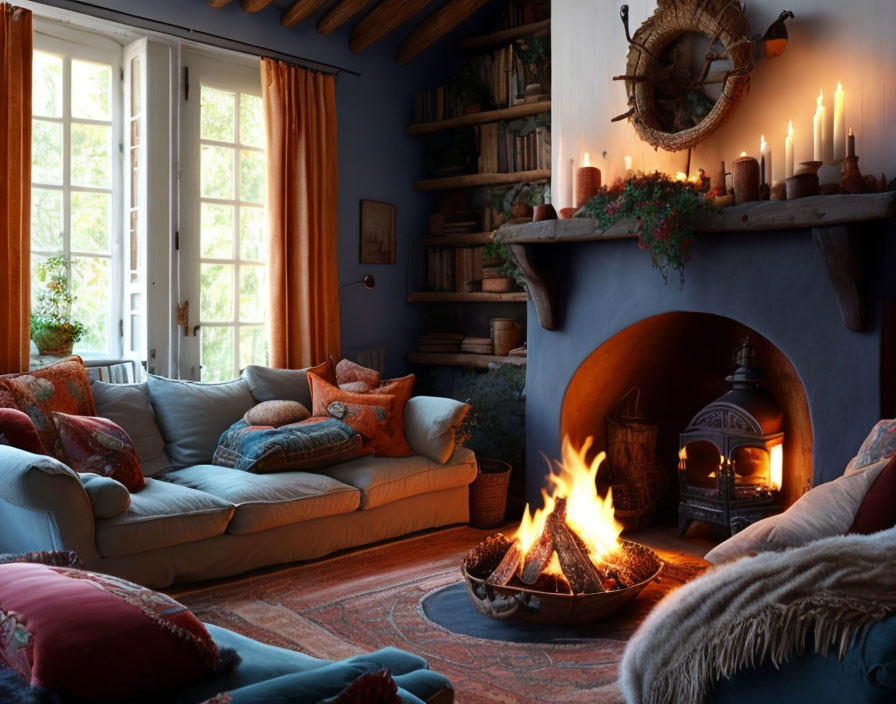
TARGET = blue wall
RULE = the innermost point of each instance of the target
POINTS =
(376, 160)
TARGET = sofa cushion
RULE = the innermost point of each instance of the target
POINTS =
(108, 498)
(93, 637)
(348, 372)
(266, 501)
(878, 509)
(268, 384)
(17, 430)
(277, 413)
(192, 415)
(383, 480)
(99, 446)
(879, 445)
(128, 405)
(62, 386)
(430, 424)
(162, 515)
(311, 444)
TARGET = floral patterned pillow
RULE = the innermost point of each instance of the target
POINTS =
(99, 446)
(62, 386)
(879, 445)
(348, 372)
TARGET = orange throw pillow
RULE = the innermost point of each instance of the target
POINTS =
(347, 372)
(378, 417)
(62, 386)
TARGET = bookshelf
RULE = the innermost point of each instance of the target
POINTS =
(465, 239)
(479, 118)
(450, 359)
(466, 297)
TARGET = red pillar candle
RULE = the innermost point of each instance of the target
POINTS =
(746, 179)
(587, 183)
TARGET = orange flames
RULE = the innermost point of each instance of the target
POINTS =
(591, 516)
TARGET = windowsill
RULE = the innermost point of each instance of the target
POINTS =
(38, 361)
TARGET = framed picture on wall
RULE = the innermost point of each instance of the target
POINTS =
(377, 232)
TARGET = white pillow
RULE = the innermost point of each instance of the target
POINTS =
(825, 511)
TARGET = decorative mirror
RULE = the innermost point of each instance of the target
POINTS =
(689, 66)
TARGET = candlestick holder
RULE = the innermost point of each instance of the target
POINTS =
(746, 179)
(829, 178)
(851, 180)
(801, 185)
(809, 167)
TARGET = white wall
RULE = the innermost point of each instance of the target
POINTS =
(830, 40)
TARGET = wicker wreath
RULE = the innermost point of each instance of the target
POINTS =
(719, 20)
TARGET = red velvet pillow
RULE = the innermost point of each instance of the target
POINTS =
(878, 509)
(378, 417)
(100, 446)
(96, 637)
(62, 386)
(17, 430)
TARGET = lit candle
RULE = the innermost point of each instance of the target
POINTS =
(587, 182)
(851, 149)
(765, 154)
(745, 174)
(628, 167)
(818, 129)
(572, 181)
(839, 124)
(788, 151)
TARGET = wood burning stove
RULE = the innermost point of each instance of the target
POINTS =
(730, 462)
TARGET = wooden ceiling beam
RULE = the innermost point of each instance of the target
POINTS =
(299, 11)
(339, 15)
(383, 19)
(217, 4)
(250, 6)
(436, 26)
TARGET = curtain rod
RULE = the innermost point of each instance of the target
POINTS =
(181, 32)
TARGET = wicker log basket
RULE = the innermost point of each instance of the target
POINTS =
(718, 20)
(488, 493)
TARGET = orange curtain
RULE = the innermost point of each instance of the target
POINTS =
(302, 197)
(15, 188)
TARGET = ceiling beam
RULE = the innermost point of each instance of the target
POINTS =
(299, 11)
(254, 5)
(217, 3)
(436, 26)
(386, 17)
(339, 15)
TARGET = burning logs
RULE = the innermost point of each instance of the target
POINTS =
(579, 570)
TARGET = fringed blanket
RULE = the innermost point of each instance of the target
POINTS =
(774, 606)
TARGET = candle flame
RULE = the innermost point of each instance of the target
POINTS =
(839, 87)
(681, 176)
(762, 141)
(628, 162)
(587, 160)
(743, 153)
(790, 128)
(819, 101)
(851, 132)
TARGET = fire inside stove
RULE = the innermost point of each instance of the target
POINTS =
(563, 555)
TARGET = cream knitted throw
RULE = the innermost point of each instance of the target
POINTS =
(774, 607)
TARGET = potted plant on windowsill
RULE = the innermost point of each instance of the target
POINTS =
(52, 328)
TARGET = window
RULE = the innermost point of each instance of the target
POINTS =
(76, 178)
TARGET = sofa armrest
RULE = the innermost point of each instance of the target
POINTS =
(430, 423)
(43, 506)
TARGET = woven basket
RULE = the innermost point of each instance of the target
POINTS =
(631, 440)
(488, 493)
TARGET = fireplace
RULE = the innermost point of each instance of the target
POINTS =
(731, 461)
(617, 325)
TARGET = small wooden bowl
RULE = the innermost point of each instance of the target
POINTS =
(802, 185)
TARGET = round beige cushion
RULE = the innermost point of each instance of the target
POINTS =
(276, 413)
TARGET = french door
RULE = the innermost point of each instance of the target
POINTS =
(222, 273)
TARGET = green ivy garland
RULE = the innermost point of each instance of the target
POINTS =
(665, 211)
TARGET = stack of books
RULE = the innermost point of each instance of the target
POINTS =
(477, 345)
(440, 342)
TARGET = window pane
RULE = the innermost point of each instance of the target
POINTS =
(253, 346)
(91, 90)
(46, 84)
(251, 233)
(136, 86)
(46, 152)
(46, 220)
(90, 221)
(91, 276)
(217, 353)
(36, 285)
(252, 177)
(251, 293)
(216, 300)
(217, 231)
(251, 121)
(90, 156)
(217, 172)
(217, 115)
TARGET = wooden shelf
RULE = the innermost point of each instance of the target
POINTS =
(479, 118)
(467, 239)
(460, 359)
(505, 35)
(473, 297)
(474, 180)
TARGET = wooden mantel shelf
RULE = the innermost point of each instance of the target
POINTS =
(832, 220)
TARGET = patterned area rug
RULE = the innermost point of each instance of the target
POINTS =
(368, 599)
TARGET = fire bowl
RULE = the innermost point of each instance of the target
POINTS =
(520, 601)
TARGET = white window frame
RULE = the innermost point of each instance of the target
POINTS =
(87, 46)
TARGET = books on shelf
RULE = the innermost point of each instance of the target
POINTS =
(457, 269)
(477, 345)
(521, 12)
(440, 342)
(501, 150)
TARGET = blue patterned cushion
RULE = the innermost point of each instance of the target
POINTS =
(311, 444)
(880, 444)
